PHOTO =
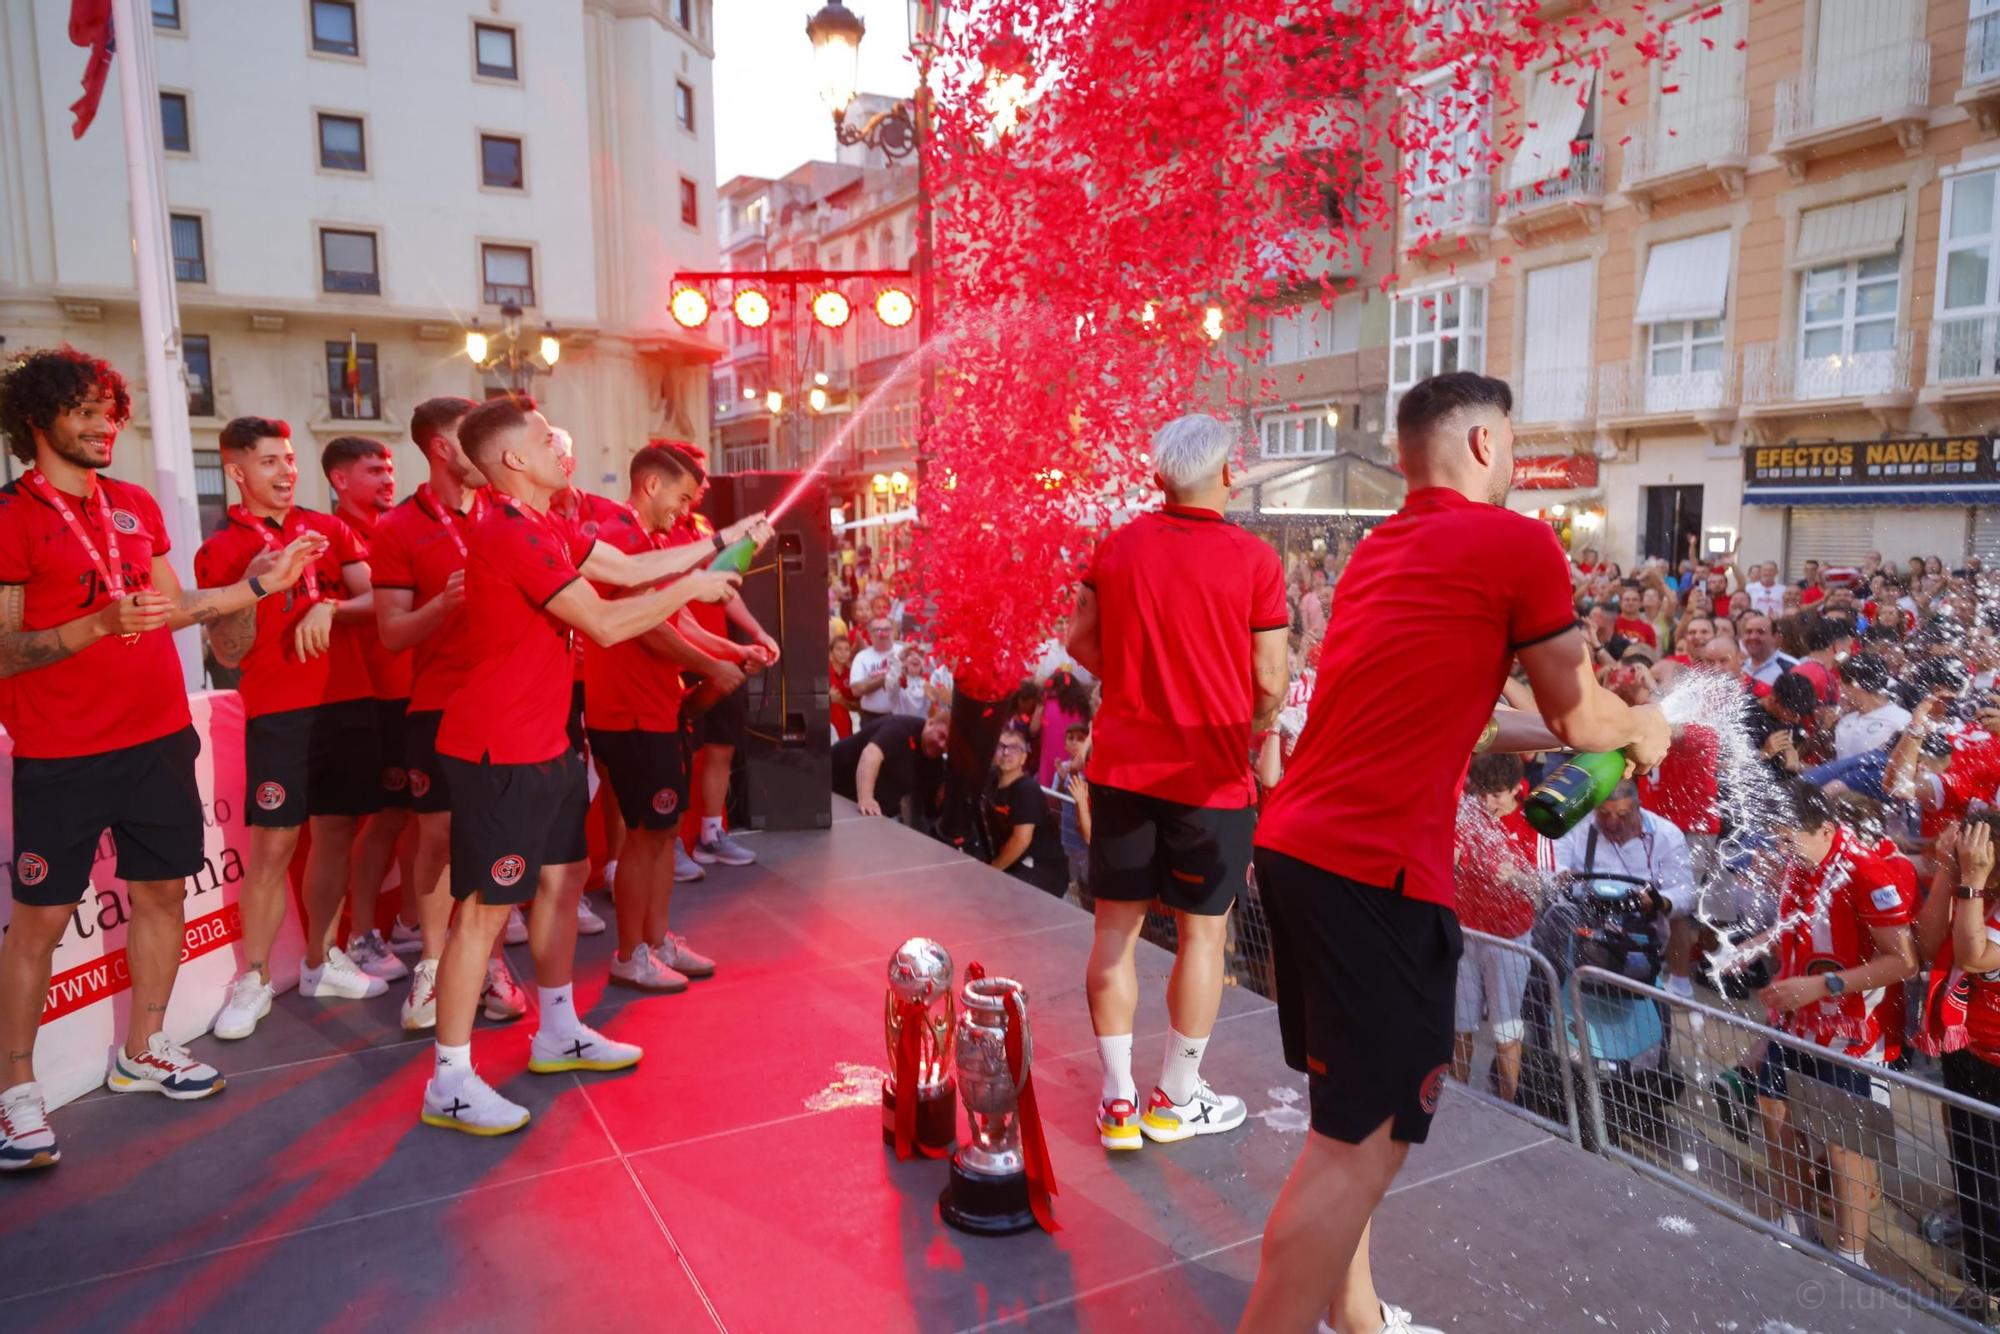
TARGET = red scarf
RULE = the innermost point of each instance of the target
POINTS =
(1947, 1001)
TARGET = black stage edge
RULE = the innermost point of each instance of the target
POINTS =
(737, 1178)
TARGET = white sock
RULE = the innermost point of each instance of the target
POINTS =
(1855, 1257)
(558, 1009)
(1182, 1069)
(453, 1068)
(1115, 1055)
(711, 828)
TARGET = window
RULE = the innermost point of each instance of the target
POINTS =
(1437, 331)
(1305, 332)
(1683, 347)
(1448, 138)
(1556, 371)
(690, 203)
(190, 254)
(1849, 309)
(167, 14)
(684, 106)
(493, 52)
(353, 393)
(200, 379)
(211, 497)
(174, 123)
(509, 274)
(347, 262)
(340, 144)
(1296, 434)
(500, 163)
(1967, 328)
(684, 14)
(335, 28)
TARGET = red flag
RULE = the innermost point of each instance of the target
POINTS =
(90, 25)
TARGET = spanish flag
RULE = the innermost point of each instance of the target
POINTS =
(353, 373)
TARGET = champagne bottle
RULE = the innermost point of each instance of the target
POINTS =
(736, 556)
(1573, 790)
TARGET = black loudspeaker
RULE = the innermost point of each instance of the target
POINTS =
(784, 773)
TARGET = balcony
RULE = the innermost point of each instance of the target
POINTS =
(1631, 398)
(1712, 150)
(502, 294)
(1575, 193)
(1555, 397)
(1460, 210)
(1779, 385)
(1882, 96)
(1980, 93)
(1964, 378)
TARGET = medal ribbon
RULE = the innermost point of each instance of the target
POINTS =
(308, 582)
(1040, 1167)
(108, 565)
(449, 522)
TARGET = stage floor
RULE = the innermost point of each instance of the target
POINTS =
(737, 1179)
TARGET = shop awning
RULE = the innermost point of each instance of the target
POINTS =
(1685, 280)
(1968, 494)
(1856, 230)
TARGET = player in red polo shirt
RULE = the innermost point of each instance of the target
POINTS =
(1183, 619)
(569, 505)
(92, 699)
(516, 783)
(1354, 849)
(361, 473)
(309, 743)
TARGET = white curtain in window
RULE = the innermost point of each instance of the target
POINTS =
(1685, 280)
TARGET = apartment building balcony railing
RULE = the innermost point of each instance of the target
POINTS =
(1711, 149)
(1631, 395)
(1461, 208)
(1779, 383)
(1963, 369)
(1572, 192)
(1980, 93)
(1556, 395)
(1884, 94)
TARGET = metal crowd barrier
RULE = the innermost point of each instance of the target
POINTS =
(1546, 1093)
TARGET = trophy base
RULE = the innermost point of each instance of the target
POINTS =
(937, 1120)
(988, 1205)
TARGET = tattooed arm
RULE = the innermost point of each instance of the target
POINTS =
(24, 650)
(227, 615)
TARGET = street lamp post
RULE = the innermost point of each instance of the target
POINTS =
(509, 353)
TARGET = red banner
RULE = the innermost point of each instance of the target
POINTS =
(109, 974)
(1555, 472)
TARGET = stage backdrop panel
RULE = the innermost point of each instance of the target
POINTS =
(90, 991)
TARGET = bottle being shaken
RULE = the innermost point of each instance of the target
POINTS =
(736, 556)
(1573, 790)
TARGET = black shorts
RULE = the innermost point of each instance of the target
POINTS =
(1191, 858)
(576, 730)
(648, 773)
(508, 821)
(430, 790)
(1365, 981)
(726, 722)
(146, 795)
(326, 760)
(390, 715)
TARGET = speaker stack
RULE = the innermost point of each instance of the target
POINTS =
(784, 773)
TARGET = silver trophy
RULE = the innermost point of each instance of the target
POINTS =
(989, 1190)
(918, 1031)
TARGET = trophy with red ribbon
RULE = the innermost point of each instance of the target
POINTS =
(919, 1107)
(1002, 1178)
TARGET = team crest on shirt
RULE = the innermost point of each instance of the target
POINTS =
(509, 870)
(30, 869)
(393, 779)
(270, 796)
(420, 782)
(125, 521)
(665, 800)
(1433, 1089)
(588, 528)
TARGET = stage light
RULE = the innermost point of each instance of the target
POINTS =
(690, 308)
(1211, 323)
(1150, 313)
(830, 308)
(817, 398)
(475, 346)
(752, 307)
(893, 307)
(775, 401)
(899, 482)
(819, 377)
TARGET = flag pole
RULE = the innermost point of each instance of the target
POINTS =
(159, 310)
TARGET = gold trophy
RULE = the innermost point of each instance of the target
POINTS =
(919, 1103)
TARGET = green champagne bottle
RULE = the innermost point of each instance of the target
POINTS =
(1573, 790)
(736, 556)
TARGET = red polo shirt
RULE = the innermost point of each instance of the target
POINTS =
(514, 705)
(388, 672)
(1426, 621)
(111, 695)
(627, 686)
(417, 547)
(1180, 592)
(275, 678)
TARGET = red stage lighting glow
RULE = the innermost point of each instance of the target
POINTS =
(690, 308)
(830, 308)
(752, 307)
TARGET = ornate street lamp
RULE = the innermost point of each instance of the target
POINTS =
(508, 351)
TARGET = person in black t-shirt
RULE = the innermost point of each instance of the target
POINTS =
(889, 759)
(1012, 806)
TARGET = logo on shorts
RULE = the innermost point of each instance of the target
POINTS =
(30, 869)
(509, 870)
(394, 779)
(270, 796)
(665, 801)
(1433, 1088)
(125, 521)
(420, 782)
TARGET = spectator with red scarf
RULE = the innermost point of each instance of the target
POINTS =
(1500, 860)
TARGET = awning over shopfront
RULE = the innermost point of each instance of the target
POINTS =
(1527, 502)
(1956, 496)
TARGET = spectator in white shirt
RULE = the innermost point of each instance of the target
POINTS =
(1766, 594)
(912, 700)
(1620, 838)
(877, 671)
(1873, 718)
(1761, 659)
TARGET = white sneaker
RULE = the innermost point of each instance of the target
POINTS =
(473, 1108)
(1680, 986)
(502, 1000)
(588, 923)
(644, 972)
(686, 868)
(674, 953)
(339, 979)
(405, 939)
(722, 848)
(582, 1048)
(26, 1141)
(420, 1007)
(165, 1067)
(249, 1000)
(1206, 1112)
(517, 927)
(1395, 1320)
(371, 955)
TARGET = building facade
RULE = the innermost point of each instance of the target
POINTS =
(353, 185)
(1748, 296)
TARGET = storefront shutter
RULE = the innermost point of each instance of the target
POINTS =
(1986, 535)
(1831, 535)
